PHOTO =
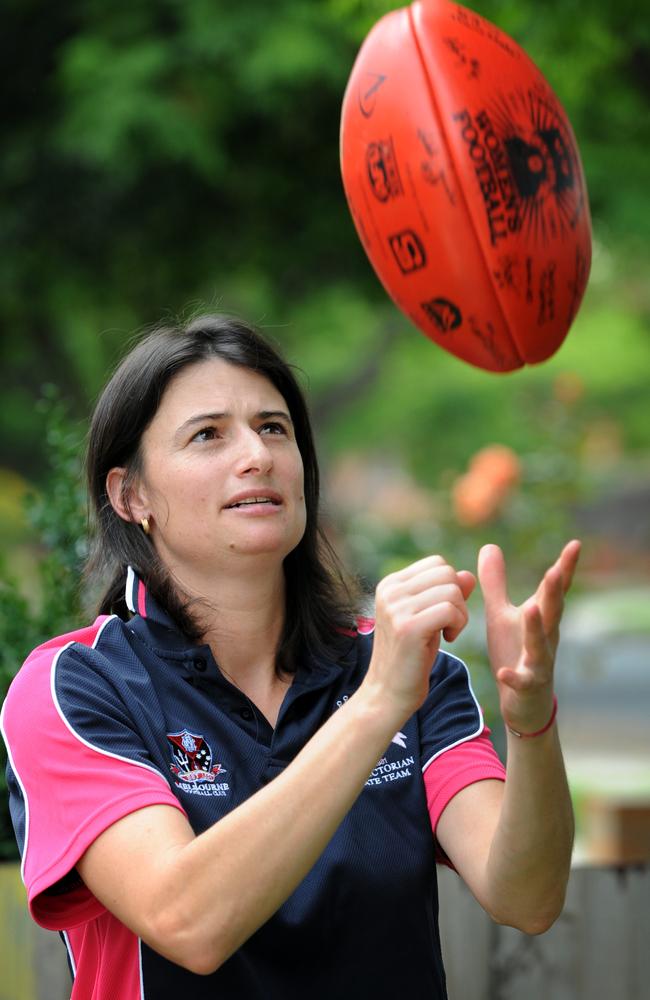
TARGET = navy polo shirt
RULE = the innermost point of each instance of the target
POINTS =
(130, 714)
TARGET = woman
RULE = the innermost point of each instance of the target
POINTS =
(236, 791)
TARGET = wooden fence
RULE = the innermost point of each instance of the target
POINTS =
(599, 949)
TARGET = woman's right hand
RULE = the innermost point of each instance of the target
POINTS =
(413, 608)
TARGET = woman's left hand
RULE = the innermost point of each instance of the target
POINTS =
(522, 640)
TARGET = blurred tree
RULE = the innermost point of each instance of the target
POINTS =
(162, 152)
(58, 517)
(153, 149)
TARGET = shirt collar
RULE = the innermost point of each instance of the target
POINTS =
(141, 602)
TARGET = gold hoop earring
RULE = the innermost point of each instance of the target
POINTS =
(145, 525)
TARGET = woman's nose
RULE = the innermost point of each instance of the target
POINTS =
(254, 455)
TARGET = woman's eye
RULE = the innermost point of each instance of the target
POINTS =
(272, 427)
(206, 434)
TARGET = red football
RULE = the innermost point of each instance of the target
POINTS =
(465, 184)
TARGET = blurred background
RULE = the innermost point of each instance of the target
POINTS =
(166, 157)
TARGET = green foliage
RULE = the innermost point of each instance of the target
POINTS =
(57, 516)
(166, 152)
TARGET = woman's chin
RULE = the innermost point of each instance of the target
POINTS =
(263, 545)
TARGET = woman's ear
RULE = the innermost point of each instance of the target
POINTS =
(126, 498)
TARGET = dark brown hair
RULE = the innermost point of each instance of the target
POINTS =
(319, 603)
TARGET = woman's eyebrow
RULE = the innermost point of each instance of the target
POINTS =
(198, 419)
(201, 417)
(267, 414)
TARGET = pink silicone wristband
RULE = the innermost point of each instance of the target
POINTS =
(530, 736)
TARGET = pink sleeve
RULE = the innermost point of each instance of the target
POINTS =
(66, 793)
(455, 769)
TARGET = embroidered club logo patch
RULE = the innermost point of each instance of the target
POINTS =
(192, 764)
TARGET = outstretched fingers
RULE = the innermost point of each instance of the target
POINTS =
(492, 578)
(536, 663)
(555, 584)
(568, 561)
(535, 642)
(550, 597)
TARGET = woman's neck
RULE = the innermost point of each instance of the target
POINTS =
(243, 618)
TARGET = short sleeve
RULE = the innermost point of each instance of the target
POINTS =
(66, 785)
(464, 764)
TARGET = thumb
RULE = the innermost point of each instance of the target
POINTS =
(492, 577)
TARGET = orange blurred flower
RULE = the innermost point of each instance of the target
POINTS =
(498, 464)
(479, 495)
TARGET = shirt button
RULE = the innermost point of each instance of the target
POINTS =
(246, 714)
(200, 665)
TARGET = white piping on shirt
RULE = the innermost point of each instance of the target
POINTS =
(471, 736)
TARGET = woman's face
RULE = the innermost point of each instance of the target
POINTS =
(222, 473)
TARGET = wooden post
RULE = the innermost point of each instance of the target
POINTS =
(597, 949)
